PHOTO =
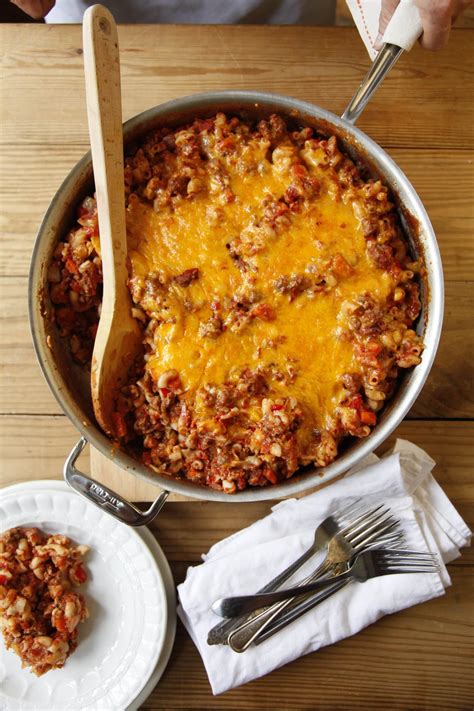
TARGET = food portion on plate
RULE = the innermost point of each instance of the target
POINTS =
(39, 610)
(276, 294)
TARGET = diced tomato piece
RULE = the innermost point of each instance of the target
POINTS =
(264, 312)
(3, 579)
(395, 271)
(270, 475)
(91, 231)
(299, 170)
(368, 417)
(356, 403)
(164, 391)
(226, 144)
(340, 266)
(292, 194)
(373, 347)
(71, 266)
(275, 408)
(80, 573)
(60, 623)
(174, 383)
(120, 426)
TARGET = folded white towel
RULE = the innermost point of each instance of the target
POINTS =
(247, 560)
(403, 30)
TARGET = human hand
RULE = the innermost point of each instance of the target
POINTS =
(436, 16)
(37, 9)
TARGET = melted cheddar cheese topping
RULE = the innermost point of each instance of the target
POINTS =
(306, 332)
(274, 290)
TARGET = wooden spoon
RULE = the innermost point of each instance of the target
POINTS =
(118, 339)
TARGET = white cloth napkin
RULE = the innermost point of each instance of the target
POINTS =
(247, 560)
(403, 30)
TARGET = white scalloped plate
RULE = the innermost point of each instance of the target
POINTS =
(126, 642)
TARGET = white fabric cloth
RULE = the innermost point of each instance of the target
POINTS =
(247, 560)
(403, 30)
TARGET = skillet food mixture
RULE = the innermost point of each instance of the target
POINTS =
(39, 612)
(276, 295)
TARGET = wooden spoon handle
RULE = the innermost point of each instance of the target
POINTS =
(104, 112)
(118, 339)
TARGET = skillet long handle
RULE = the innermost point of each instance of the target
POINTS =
(401, 34)
(105, 498)
(379, 69)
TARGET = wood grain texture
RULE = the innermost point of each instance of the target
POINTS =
(386, 666)
(50, 438)
(35, 447)
(326, 66)
(424, 116)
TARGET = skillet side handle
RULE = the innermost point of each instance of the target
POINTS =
(105, 498)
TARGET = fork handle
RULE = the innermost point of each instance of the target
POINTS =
(238, 605)
(247, 628)
(220, 632)
(296, 609)
(243, 636)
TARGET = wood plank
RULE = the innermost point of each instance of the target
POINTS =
(448, 392)
(420, 658)
(450, 210)
(216, 57)
(446, 188)
(424, 115)
(49, 439)
(36, 447)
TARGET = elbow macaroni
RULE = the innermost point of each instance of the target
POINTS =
(275, 292)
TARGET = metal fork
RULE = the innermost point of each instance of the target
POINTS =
(376, 525)
(322, 535)
(362, 567)
(297, 607)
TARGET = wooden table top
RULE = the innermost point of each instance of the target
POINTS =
(424, 116)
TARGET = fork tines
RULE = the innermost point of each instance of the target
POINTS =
(406, 561)
(370, 525)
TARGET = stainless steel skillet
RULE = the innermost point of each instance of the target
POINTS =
(70, 385)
